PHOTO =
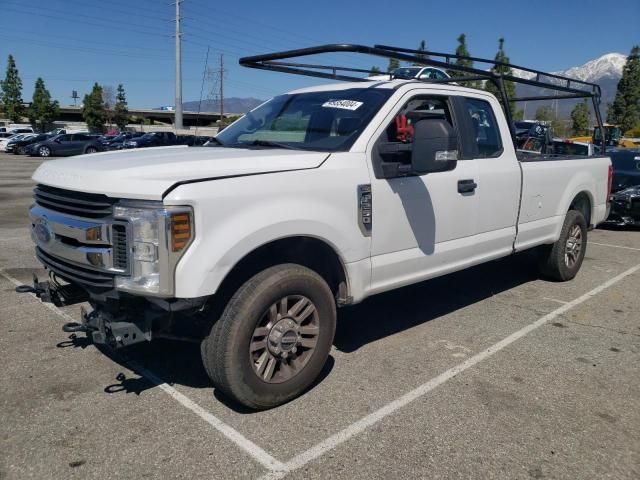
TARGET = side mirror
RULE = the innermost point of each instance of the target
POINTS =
(435, 146)
(57, 140)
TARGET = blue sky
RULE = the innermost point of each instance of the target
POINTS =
(73, 43)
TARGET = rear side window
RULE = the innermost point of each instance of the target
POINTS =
(80, 137)
(485, 128)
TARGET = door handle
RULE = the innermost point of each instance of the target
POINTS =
(466, 186)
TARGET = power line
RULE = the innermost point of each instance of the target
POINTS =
(178, 102)
(63, 46)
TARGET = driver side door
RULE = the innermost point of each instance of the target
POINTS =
(62, 145)
(422, 225)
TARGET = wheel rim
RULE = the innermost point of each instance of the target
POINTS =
(284, 339)
(91, 150)
(44, 152)
(573, 246)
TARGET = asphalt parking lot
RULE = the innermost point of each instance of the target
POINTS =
(487, 373)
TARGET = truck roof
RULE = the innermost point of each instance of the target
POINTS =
(386, 84)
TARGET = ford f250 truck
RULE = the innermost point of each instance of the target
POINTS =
(314, 200)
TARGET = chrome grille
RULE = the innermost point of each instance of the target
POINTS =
(80, 204)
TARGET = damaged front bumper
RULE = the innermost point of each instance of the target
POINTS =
(625, 207)
(117, 324)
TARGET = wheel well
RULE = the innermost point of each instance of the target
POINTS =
(310, 252)
(582, 203)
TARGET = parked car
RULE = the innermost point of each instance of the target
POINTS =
(192, 140)
(21, 146)
(152, 139)
(117, 143)
(16, 129)
(66, 145)
(9, 146)
(422, 73)
(626, 167)
(5, 141)
(625, 207)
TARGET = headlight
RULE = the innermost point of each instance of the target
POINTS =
(158, 237)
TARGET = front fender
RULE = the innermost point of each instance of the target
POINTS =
(235, 216)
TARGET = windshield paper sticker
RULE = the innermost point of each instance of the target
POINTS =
(343, 104)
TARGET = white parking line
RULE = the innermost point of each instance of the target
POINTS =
(355, 428)
(278, 469)
(258, 454)
(613, 246)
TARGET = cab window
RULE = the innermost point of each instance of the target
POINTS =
(485, 128)
(395, 143)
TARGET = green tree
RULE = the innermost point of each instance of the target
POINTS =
(11, 93)
(421, 56)
(461, 51)
(500, 69)
(580, 117)
(93, 110)
(374, 71)
(544, 114)
(121, 114)
(625, 109)
(42, 110)
(393, 64)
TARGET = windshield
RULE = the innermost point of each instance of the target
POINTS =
(406, 72)
(323, 121)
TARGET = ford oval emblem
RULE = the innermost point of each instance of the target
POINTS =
(42, 230)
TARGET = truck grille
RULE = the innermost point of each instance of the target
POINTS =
(74, 273)
(88, 205)
(120, 252)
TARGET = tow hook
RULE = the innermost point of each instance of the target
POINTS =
(59, 295)
(84, 327)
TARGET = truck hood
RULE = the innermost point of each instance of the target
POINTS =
(148, 173)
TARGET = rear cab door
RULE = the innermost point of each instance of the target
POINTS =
(487, 140)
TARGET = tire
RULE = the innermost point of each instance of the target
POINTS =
(44, 151)
(20, 151)
(252, 331)
(90, 150)
(562, 260)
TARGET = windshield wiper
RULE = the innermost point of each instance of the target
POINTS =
(216, 141)
(266, 143)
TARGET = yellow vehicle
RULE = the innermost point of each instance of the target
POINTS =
(613, 137)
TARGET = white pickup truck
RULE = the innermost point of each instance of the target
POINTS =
(314, 200)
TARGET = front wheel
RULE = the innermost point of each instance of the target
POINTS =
(562, 260)
(91, 150)
(273, 337)
(44, 151)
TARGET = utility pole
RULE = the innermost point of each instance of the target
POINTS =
(221, 88)
(178, 106)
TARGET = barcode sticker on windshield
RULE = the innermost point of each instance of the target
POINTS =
(343, 104)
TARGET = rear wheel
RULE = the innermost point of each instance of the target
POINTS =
(44, 151)
(273, 337)
(91, 150)
(562, 260)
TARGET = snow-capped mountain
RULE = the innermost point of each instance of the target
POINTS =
(605, 71)
(606, 66)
